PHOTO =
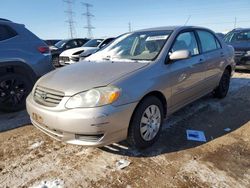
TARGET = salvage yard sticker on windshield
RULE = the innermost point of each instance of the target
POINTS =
(160, 37)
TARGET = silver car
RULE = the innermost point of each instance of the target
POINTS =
(127, 89)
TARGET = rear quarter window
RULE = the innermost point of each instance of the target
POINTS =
(6, 32)
(208, 41)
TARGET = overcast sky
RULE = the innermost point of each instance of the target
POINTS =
(46, 18)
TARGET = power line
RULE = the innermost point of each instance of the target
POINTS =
(187, 20)
(70, 20)
(88, 15)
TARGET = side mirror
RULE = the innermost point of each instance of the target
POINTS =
(180, 54)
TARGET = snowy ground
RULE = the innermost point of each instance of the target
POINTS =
(28, 158)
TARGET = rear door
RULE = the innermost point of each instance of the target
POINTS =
(187, 75)
(214, 57)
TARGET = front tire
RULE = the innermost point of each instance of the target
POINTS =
(145, 125)
(14, 88)
(222, 90)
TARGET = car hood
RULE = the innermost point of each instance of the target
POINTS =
(86, 75)
(88, 52)
(244, 46)
(70, 52)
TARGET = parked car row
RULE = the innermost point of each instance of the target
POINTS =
(63, 45)
(76, 54)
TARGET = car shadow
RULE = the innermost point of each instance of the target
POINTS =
(13, 120)
(214, 117)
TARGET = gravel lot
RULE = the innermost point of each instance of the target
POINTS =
(28, 158)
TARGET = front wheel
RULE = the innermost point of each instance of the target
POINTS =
(222, 90)
(14, 88)
(146, 123)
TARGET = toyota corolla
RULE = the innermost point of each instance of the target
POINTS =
(127, 89)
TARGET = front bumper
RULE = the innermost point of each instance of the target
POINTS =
(242, 61)
(68, 60)
(83, 126)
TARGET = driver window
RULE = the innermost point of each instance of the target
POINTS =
(186, 41)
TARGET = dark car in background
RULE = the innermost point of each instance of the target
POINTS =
(63, 45)
(220, 35)
(240, 40)
(23, 59)
(52, 42)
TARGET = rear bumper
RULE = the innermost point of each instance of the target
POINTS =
(84, 126)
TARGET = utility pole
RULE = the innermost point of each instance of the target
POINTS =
(235, 22)
(70, 19)
(88, 16)
(129, 27)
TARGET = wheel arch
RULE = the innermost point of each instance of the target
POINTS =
(18, 67)
(158, 95)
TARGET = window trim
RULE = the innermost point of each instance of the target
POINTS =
(215, 38)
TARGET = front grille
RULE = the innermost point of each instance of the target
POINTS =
(239, 53)
(75, 59)
(63, 59)
(47, 97)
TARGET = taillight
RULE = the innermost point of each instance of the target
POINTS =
(44, 49)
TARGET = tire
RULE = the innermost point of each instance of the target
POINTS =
(141, 125)
(222, 90)
(14, 88)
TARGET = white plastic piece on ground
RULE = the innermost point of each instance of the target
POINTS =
(121, 164)
(36, 145)
(50, 184)
(196, 135)
(227, 129)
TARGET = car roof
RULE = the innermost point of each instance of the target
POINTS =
(241, 29)
(5, 20)
(171, 28)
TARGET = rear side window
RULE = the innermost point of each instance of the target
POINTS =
(6, 32)
(208, 41)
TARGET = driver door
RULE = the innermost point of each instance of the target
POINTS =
(187, 75)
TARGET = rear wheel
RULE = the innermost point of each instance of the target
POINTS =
(14, 88)
(146, 123)
(222, 90)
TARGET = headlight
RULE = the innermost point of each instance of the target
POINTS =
(94, 97)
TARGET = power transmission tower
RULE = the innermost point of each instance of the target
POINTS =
(88, 15)
(70, 19)
(129, 27)
(235, 22)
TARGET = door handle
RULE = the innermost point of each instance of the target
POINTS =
(222, 54)
(202, 60)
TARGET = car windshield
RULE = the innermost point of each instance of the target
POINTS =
(134, 46)
(93, 43)
(238, 36)
(60, 44)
